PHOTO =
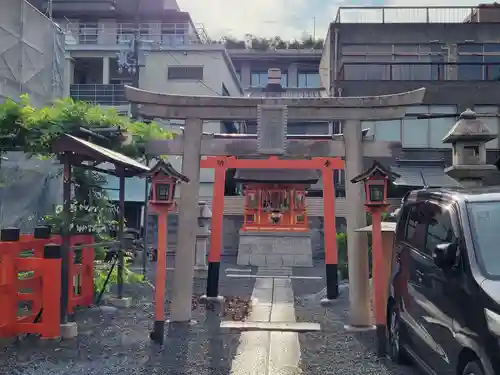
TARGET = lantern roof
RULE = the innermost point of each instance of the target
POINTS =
(165, 168)
(377, 169)
(469, 128)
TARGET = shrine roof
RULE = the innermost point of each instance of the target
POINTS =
(298, 176)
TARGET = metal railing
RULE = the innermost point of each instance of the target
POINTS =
(112, 95)
(419, 71)
(123, 33)
(433, 14)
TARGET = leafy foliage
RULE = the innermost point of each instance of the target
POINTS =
(33, 130)
(276, 43)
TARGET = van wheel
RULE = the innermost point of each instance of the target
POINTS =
(396, 351)
(473, 368)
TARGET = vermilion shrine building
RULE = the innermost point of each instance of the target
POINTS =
(275, 229)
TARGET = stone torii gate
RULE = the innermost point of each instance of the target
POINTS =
(275, 112)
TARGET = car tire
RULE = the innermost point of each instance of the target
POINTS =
(473, 368)
(396, 351)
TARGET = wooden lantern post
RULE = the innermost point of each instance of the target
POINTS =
(164, 178)
(376, 180)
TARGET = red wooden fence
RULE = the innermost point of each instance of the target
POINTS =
(30, 283)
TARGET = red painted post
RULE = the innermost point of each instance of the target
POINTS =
(8, 292)
(51, 291)
(330, 234)
(216, 229)
(9, 242)
(161, 275)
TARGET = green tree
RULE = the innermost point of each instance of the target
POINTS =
(33, 130)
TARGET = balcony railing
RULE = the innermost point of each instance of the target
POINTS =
(419, 71)
(435, 14)
(112, 95)
(122, 33)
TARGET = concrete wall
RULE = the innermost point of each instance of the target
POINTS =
(218, 71)
(31, 54)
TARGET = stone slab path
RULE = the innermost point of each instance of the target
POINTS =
(269, 350)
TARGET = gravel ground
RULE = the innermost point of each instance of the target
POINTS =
(118, 343)
(334, 351)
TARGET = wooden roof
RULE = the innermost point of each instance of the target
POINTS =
(167, 169)
(81, 151)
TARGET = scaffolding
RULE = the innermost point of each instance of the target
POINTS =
(31, 54)
(31, 62)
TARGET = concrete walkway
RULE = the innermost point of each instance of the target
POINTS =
(270, 344)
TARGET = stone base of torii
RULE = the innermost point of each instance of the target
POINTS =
(193, 144)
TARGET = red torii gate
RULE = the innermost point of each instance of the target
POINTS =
(325, 164)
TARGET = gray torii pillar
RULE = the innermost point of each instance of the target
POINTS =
(357, 245)
(180, 310)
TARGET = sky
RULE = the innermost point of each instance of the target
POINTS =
(292, 19)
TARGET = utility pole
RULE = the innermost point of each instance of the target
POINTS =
(135, 56)
(135, 116)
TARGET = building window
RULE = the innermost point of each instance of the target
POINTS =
(185, 72)
(308, 128)
(258, 79)
(337, 127)
(479, 62)
(284, 79)
(399, 62)
(413, 132)
(89, 33)
(309, 80)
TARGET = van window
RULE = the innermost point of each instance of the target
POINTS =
(484, 218)
(439, 228)
(415, 228)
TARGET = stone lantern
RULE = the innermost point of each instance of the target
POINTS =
(468, 139)
(204, 217)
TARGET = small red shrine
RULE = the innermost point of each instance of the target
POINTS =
(275, 200)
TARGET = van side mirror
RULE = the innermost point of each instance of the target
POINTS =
(444, 255)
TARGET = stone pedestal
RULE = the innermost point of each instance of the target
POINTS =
(275, 249)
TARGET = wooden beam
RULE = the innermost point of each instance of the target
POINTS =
(295, 148)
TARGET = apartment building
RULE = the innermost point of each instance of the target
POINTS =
(452, 52)
(175, 56)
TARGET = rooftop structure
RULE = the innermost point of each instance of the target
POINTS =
(483, 13)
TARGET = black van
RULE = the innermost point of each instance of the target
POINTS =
(444, 304)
